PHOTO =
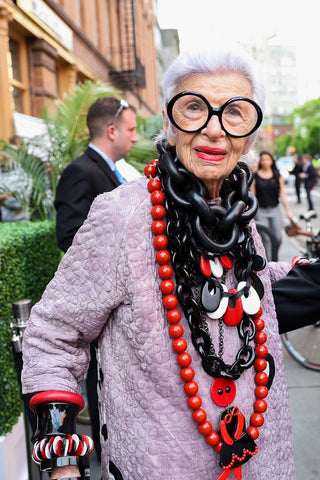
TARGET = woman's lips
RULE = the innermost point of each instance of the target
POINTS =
(210, 154)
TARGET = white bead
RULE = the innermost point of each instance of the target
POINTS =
(251, 303)
(216, 267)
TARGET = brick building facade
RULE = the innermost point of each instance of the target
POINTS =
(48, 46)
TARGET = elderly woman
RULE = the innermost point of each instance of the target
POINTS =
(169, 273)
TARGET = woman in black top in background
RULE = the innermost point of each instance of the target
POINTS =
(268, 187)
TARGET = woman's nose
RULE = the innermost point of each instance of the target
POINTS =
(213, 128)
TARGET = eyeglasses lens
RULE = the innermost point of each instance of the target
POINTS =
(239, 117)
(190, 113)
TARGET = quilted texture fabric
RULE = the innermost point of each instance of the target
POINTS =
(107, 285)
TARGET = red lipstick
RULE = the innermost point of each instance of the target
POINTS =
(210, 154)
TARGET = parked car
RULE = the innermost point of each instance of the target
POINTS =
(285, 166)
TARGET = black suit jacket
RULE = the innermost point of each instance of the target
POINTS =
(311, 178)
(81, 181)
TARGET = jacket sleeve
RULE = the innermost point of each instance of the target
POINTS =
(76, 304)
(297, 297)
(73, 200)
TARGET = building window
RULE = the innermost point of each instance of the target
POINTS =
(18, 75)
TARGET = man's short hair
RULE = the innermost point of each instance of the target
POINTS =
(101, 114)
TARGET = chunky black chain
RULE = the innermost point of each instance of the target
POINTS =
(196, 228)
(188, 193)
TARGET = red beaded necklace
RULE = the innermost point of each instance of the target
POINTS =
(179, 344)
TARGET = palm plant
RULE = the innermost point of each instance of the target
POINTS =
(32, 191)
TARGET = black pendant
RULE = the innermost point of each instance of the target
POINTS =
(211, 294)
(257, 284)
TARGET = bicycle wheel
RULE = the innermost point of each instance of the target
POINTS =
(304, 345)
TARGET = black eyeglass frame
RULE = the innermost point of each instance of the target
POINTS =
(213, 111)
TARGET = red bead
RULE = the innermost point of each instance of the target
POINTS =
(154, 161)
(167, 286)
(257, 420)
(213, 439)
(179, 345)
(187, 374)
(199, 416)
(261, 351)
(163, 257)
(160, 242)
(184, 359)
(173, 316)
(158, 212)
(150, 170)
(259, 323)
(170, 302)
(191, 388)
(176, 331)
(258, 314)
(261, 378)
(154, 184)
(260, 337)
(205, 428)
(157, 197)
(218, 448)
(260, 364)
(261, 391)
(260, 406)
(253, 432)
(158, 226)
(194, 402)
(165, 272)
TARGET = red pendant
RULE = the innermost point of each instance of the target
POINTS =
(205, 267)
(226, 262)
(234, 312)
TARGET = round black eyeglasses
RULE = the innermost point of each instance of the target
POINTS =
(190, 112)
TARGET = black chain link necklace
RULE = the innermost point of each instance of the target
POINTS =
(196, 228)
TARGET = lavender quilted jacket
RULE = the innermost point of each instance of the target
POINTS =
(107, 286)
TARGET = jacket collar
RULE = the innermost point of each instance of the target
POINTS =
(102, 164)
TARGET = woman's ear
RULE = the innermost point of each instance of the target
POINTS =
(171, 137)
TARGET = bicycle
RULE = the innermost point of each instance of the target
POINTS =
(303, 344)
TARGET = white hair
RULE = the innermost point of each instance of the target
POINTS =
(211, 62)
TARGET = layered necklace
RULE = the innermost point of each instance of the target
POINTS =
(198, 242)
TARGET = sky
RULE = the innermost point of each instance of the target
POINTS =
(283, 22)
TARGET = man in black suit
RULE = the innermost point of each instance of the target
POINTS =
(112, 129)
(309, 174)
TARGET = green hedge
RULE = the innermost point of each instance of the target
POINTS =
(29, 256)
